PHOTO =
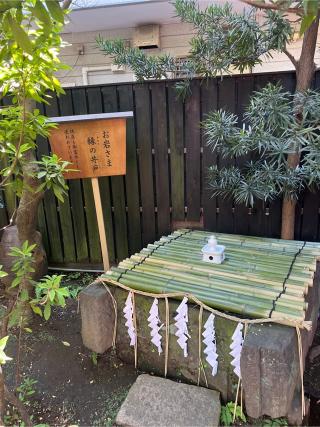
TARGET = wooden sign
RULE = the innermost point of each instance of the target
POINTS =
(94, 146)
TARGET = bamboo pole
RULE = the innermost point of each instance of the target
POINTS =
(260, 277)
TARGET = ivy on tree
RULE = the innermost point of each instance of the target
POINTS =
(226, 41)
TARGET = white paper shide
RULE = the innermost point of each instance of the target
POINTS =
(236, 348)
(154, 325)
(209, 340)
(128, 314)
(181, 323)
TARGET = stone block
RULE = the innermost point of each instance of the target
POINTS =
(97, 318)
(158, 402)
(270, 369)
(183, 368)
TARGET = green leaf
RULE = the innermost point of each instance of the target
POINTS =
(94, 358)
(55, 10)
(3, 274)
(24, 295)
(36, 309)
(62, 301)
(5, 5)
(3, 357)
(51, 294)
(47, 311)
(20, 35)
(311, 7)
(3, 342)
(307, 20)
(15, 282)
(14, 317)
(40, 12)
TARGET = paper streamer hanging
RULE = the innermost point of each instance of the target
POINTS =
(154, 325)
(209, 335)
(128, 314)
(181, 323)
(236, 348)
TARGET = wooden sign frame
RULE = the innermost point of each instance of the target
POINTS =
(95, 144)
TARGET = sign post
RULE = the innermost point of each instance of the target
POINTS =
(101, 227)
(95, 146)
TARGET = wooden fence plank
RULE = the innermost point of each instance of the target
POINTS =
(64, 211)
(175, 115)
(259, 221)
(209, 100)
(160, 143)
(144, 142)
(80, 107)
(110, 104)
(310, 216)
(125, 95)
(244, 90)
(226, 101)
(75, 195)
(42, 227)
(49, 200)
(192, 158)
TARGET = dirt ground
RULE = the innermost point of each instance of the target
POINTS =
(71, 389)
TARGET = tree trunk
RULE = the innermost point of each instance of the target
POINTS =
(27, 212)
(26, 222)
(304, 73)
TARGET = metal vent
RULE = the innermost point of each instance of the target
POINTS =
(147, 36)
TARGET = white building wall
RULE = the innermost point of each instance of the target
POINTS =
(85, 59)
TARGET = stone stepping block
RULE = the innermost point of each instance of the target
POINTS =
(154, 401)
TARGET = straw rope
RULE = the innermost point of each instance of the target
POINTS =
(115, 308)
(166, 354)
(303, 403)
(302, 324)
(199, 343)
(135, 329)
(297, 324)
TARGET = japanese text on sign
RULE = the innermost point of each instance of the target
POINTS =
(94, 148)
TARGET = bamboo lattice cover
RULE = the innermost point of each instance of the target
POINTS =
(260, 277)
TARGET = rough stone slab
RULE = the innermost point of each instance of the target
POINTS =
(97, 318)
(154, 401)
(180, 367)
(270, 369)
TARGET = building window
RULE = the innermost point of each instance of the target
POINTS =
(181, 70)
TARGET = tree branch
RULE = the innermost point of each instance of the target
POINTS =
(12, 398)
(270, 6)
(292, 58)
(66, 4)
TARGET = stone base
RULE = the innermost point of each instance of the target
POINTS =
(269, 362)
(97, 318)
(157, 402)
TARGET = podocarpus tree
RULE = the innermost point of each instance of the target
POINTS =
(29, 48)
(227, 41)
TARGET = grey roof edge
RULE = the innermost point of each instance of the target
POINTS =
(118, 4)
(83, 117)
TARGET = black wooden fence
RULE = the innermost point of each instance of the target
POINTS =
(165, 185)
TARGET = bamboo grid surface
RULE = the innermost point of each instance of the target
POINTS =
(260, 277)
